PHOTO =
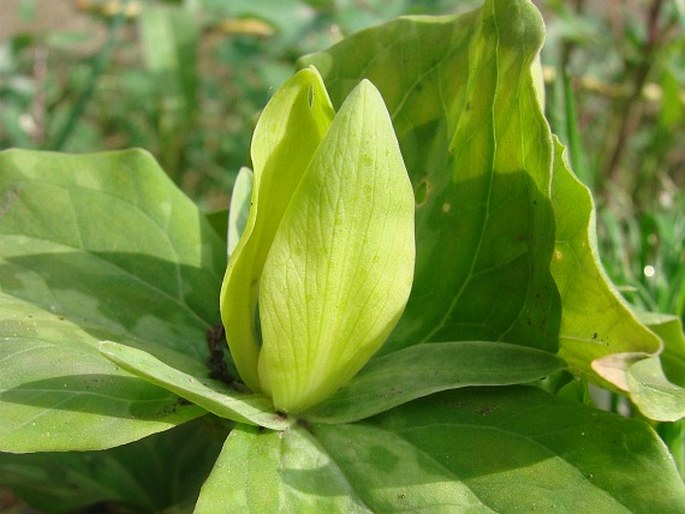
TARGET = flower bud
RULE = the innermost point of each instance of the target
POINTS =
(324, 268)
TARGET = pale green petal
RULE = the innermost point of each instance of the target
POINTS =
(341, 264)
(287, 134)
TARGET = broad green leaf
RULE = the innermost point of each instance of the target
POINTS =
(341, 468)
(423, 369)
(340, 267)
(240, 207)
(262, 472)
(660, 393)
(512, 446)
(670, 329)
(158, 472)
(96, 247)
(57, 393)
(596, 324)
(287, 134)
(212, 395)
(651, 391)
(479, 154)
(469, 450)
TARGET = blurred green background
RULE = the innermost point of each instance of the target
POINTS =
(186, 79)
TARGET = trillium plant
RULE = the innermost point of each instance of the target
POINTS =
(403, 309)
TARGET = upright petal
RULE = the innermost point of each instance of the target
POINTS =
(341, 264)
(285, 139)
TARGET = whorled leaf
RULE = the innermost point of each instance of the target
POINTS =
(95, 247)
(479, 153)
(340, 267)
(248, 476)
(163, 471)
(57, 393)
(470, 450)
(515, 445)
(601, 338)
(339, 468)
(657, 384)
(424, 369)
(670, 329)
(211, 395)
(655, 396)
(599, 335)
(287, 134)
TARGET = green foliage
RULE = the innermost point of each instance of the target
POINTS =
(160, 472)
(213, 396)
(182, 79)
(424, 369)
(484, 221)
(86, 243)
(460, 451)
(622, 117)
(110, 279)
(590, 330)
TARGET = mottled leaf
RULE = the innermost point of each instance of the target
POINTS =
(502, 449)
(158, 472)
(95, 247)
